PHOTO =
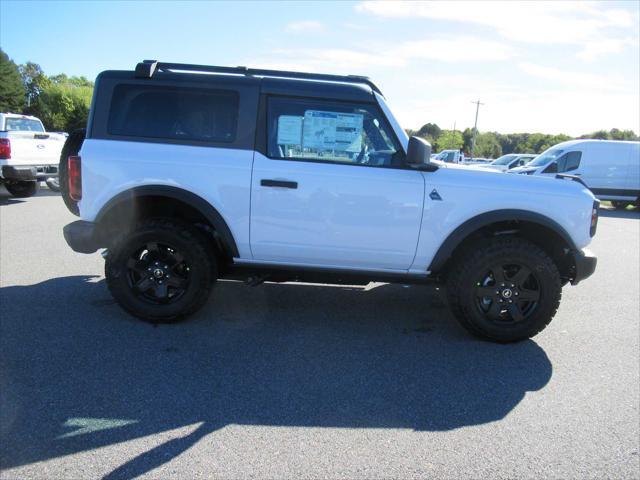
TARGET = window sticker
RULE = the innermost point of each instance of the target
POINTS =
(289, 130)
(332, 131)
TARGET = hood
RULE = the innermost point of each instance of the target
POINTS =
(523, 169)
(463, 166)
(493, 167)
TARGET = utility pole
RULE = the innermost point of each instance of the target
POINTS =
(475, 128)
(453, 136)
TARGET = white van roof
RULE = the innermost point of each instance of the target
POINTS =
(582, 141)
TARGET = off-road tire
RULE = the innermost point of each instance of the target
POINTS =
(72, 146)
(22, 189)
(192, 245)
(471, 265)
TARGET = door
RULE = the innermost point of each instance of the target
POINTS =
(330, 188)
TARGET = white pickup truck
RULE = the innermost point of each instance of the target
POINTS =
(28, 154)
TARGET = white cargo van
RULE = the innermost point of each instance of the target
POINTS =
(611, 169)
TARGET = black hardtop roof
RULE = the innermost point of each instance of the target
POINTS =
(348, 87)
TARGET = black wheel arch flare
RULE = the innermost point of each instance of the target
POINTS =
(478, 222)
(176, 193)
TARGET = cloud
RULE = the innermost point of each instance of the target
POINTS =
(304, 26)
(574, 23)
(564, 77)
(458, 49)
(593, 50)
(346, 60)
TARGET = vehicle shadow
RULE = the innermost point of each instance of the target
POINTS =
(76, 373)
(7, 199)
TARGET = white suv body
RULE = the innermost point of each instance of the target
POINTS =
(325, 181)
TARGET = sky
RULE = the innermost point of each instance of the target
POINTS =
(558, 67)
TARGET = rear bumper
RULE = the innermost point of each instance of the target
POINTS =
(81, 236)
(29, 172)
(585, 264)
(19, 173)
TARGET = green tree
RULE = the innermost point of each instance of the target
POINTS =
(449, 140)
(64, 106)
(487, 145)
(429, 131)
(11, 88)
(467, 140)
(34, 81)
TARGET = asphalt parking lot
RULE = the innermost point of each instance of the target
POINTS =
(307, 380)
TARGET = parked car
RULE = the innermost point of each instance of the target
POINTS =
(450, 156)
(611, 169)
(477, 161)
(509, 161)
(263, 175)
(28, 154)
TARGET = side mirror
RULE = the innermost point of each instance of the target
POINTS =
(419, 153)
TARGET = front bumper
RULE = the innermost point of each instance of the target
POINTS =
(82, 236)
(585, 264)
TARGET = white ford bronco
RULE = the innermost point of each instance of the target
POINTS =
(190, 173)
(28, 154)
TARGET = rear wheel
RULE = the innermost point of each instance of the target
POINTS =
(161, 272)
(505, 290)
(22, 189)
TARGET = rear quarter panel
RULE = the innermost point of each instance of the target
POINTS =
(221, 176)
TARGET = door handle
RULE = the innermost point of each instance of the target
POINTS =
(278, 183)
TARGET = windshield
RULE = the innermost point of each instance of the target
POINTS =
(503, 160)
(545, 157)
(402, 135)
(23, 125)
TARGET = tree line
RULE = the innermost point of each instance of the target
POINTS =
(494, 144)
(62, 103)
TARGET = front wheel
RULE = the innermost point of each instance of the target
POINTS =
(22, 189)
(161, 272)
(504, 290)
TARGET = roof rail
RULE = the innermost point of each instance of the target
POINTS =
(147, 68)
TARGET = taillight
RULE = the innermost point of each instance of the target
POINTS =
(594, 218)
(5, 149)
(75, 178)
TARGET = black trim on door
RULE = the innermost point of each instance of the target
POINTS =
(278, 183)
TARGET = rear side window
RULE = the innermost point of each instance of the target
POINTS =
(189, 114)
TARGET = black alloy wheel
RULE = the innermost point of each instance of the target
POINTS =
(158, 274)
(508, 293)
(162, 271)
